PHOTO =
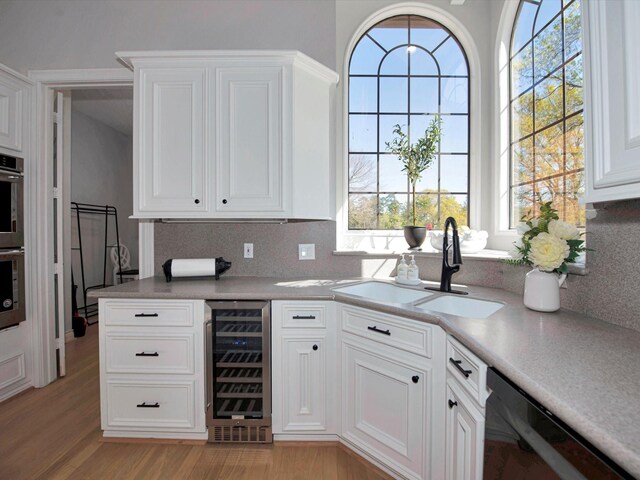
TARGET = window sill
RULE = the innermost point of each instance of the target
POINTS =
(484, 255)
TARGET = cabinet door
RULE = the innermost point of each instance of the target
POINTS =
(304, 383)
(11, 107)
(250, 148)
(464, 436)
(612, 123)
(385, 404)
(172, 171)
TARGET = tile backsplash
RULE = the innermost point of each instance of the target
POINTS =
(609, 292)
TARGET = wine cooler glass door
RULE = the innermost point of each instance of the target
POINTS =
(241, 364)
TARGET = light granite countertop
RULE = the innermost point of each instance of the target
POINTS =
(585, 371)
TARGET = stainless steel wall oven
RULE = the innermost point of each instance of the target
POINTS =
(239, 372)
(11, 287)
(12, 309)
(11, 198)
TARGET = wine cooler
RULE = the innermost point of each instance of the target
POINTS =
(238, 372)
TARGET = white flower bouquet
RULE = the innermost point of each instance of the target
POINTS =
(547, 242)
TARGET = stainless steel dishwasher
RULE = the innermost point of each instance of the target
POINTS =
(238, 370)
(524, 440)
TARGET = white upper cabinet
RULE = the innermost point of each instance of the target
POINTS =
(13, 91)
(612, 97)
(232, 134)
(170, 109)
(251, 161)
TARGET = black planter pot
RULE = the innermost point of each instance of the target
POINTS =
(415, 236)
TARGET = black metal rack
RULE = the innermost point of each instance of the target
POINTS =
(107, 211)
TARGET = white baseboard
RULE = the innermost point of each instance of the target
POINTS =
(14, 391)
(164, 435)
(287, 437)
(68, 336)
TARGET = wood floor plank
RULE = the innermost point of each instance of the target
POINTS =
(54, 433)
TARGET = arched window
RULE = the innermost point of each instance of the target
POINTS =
(404, 70)
(546, 108)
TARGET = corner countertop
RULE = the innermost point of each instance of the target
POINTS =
(587, 372)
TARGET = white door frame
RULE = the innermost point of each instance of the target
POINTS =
(40, 227)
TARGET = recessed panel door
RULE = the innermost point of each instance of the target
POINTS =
(171, 167)
(304, 371)
(249, 131)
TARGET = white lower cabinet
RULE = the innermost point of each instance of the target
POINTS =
(466, 397)
(152, 368)
(465, 435)
(305, 369)
(392, 400)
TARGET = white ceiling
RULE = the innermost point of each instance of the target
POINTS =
(111, 106)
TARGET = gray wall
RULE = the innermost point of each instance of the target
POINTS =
(101, 173)
(40, 34)
(52, 34)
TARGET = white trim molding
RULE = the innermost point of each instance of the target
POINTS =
(500, 235)
(394, 240)
(39, 204)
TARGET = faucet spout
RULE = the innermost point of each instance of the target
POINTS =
(453, 266)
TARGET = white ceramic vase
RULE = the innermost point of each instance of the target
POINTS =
(542, 290)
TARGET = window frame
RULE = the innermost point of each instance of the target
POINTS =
(365, 240)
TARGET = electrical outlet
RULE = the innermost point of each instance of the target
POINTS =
(248, 250)
(306, 251)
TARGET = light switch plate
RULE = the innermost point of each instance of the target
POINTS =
(306, 251)
(248, 250)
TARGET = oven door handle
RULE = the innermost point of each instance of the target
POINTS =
(11, 252)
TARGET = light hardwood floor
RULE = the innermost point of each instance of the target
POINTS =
(54, 433)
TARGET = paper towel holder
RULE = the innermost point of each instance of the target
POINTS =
(169, 269)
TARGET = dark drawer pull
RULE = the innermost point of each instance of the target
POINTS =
(415, 379)
(315, 347)
(304, 317)
(376, 329)
(144, 354)
(452, 404)
(457, 364)
(148, 405)
(146, 315)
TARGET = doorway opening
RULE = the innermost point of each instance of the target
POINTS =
(95, 242)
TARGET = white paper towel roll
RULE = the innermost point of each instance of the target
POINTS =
(193, 267)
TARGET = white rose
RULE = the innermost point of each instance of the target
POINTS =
(548, 251)
(522, 228)
(563, 230)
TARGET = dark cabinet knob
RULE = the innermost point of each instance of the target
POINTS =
(452, 403)
(315, 347)
(196, 201)
(415, 379)
(224, 200)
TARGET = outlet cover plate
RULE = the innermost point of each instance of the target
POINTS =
(306, 251)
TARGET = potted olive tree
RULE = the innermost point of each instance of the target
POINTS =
(416, 158)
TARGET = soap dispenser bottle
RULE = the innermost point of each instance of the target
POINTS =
(412, 272)
(402, 269)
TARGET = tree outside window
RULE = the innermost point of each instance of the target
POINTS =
(546, 107)
(405, 70)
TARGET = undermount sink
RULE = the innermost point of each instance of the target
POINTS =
(384, 292)
(461, 306)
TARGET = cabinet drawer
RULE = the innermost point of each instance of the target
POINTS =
(149, 353)
(468, 369)
(408, 335)
(155, 313)
(304, 315)
(150, 405)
